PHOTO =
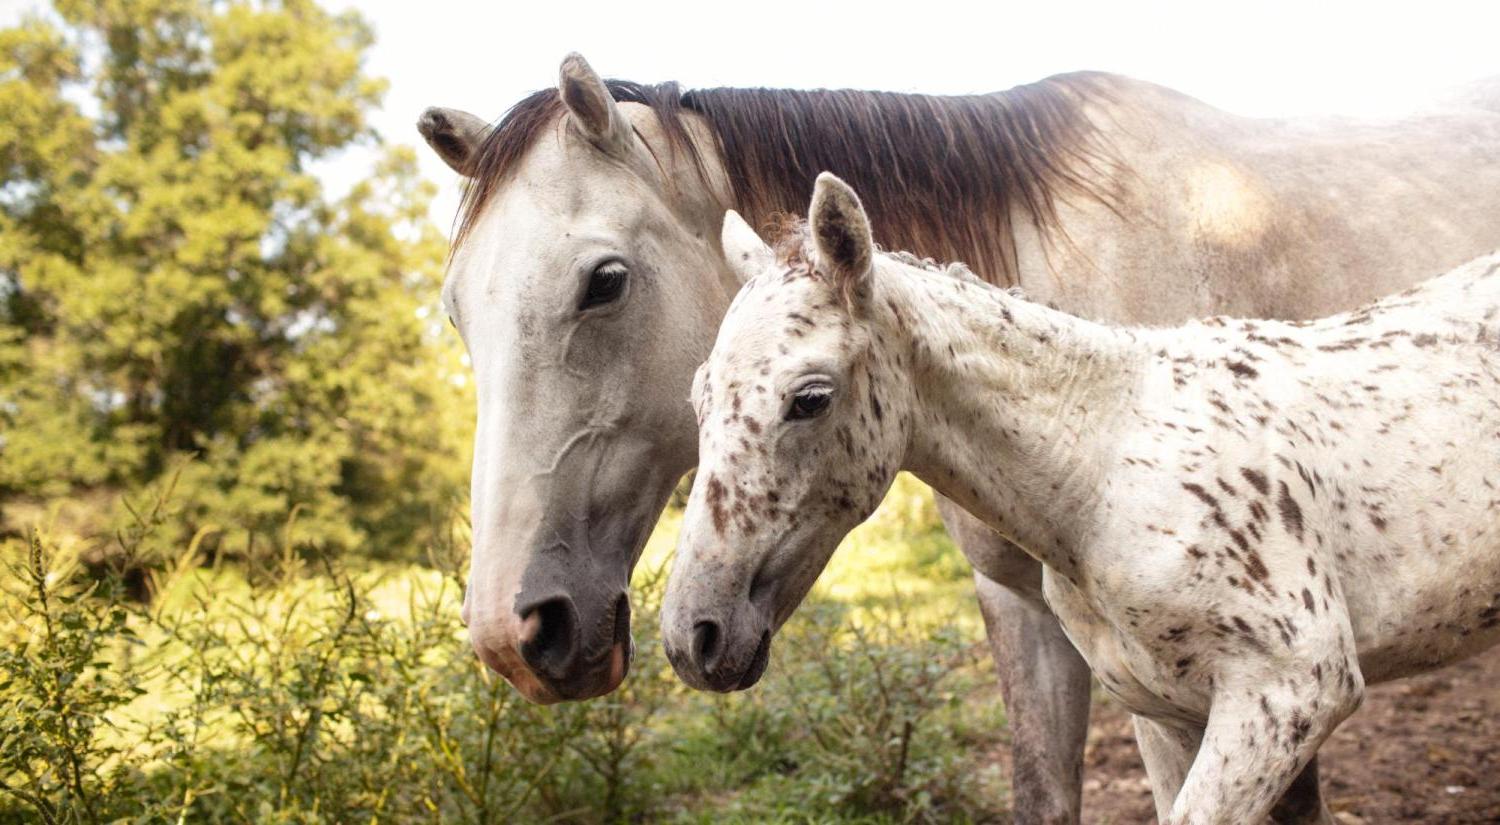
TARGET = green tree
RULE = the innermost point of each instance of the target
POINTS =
(179, 297)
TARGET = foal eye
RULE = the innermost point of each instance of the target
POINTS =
(809, 402)
(606, 284)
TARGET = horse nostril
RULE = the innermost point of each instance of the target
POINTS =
(706, 645)
(549, 637)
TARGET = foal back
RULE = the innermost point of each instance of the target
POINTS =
(1384, 434)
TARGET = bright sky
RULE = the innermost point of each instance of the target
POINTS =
(1255, 58)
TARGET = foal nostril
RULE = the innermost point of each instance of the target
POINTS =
(549, 637)
(763, 588)
(706, 645)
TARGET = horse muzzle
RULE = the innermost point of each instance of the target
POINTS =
(551, 655)
(718, 654)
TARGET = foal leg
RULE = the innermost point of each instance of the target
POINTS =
(1168, 753)
(1262, 734)
(1044, 680)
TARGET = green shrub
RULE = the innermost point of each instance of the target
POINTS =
(304, 693)
(848, 723)
(61, 686)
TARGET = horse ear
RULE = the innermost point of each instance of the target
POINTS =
(746, 253)
(455, 136)
(841, 233)
(593, 108)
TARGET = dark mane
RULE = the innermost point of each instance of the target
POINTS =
(938, 175)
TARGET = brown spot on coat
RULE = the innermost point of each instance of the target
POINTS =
(1242, 369)
(1202, 494)
(715, 496)
(1291, 512)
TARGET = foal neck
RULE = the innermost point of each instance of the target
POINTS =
(1017, 408)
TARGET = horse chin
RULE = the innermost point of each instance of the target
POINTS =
(603, 680)
(746, 679)
(758, 664)
(533, 689)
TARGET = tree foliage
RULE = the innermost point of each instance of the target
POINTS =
(180, 297)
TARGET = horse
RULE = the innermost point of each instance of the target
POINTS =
(587, 282)
(1242, 523)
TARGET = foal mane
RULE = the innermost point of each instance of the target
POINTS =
(792, 243)
(937, 174)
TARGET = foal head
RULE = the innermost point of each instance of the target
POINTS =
(802, 416)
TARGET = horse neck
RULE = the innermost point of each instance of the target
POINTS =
(1017, 407)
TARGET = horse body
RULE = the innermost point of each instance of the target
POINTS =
(1212, 213)
(1153, 205)
(1242, 522)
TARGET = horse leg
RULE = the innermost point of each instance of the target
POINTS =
(1044, 680)
(1168, 754)
(1046, 688)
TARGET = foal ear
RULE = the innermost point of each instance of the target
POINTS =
(593, 108)
(746, 253)
(841, 232)
(455, 135)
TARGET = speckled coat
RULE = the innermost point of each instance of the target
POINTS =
(1286, 512)
(1243, 522)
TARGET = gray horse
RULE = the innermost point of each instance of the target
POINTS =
(588, 282)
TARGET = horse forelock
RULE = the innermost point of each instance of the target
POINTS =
(937, 174)
(507, 141)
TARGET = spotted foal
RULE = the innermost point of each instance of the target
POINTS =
(1242, 522)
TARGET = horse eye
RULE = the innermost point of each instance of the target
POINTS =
(809, 402)
(606, 284)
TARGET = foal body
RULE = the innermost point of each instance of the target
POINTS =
(1241, 522)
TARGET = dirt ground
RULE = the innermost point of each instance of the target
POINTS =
(1425, 749)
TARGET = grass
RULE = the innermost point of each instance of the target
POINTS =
(311, 692)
